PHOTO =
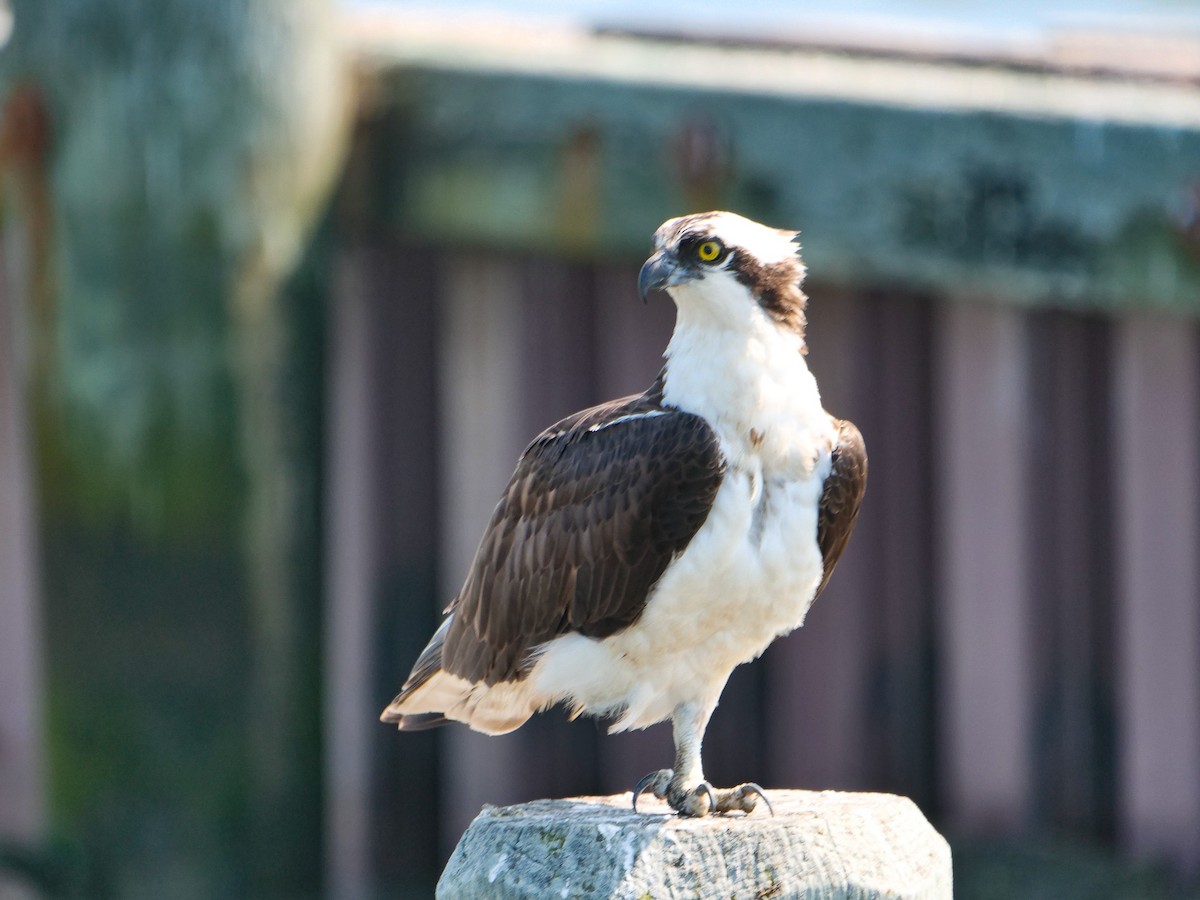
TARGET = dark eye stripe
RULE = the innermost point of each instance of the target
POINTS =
(689, 245)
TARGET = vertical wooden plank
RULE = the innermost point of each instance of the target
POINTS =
(630, 335)
(22, 812)
(480, 375)
(817, 678)
(401, 289)
(1070, 554)
(352, 565)
(901, 716)
(380, 498)
(557, 344)
(1157, 474)
(982, 447)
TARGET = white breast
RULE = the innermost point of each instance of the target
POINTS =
(750, 573)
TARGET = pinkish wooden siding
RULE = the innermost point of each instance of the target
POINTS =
(986, 623)
(1011, 637)
(1157, 473)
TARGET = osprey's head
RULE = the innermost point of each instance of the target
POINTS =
(719, 262)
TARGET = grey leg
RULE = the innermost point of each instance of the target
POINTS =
(685, 787)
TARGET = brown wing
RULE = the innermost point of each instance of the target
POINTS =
(597, 508)
(842, 496)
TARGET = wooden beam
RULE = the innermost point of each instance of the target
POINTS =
(1036, 189)
(1157, 398)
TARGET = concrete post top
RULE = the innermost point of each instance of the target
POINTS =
(817, 845)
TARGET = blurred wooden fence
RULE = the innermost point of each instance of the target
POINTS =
(1013, 638)
(1003, 299)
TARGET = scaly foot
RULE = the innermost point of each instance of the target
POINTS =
(701, 800)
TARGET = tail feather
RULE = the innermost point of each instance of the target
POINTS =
(432, 696)
(420, 721)
(426, 671)
(429, 663)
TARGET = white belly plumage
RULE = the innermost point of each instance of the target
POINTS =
(750, 572)
(747, 577)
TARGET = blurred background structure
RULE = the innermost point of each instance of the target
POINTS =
(287, 285)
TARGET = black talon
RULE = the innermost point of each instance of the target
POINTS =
(640, 787)
(751, 787)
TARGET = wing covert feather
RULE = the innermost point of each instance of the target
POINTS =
(841, 497)
(597, 508)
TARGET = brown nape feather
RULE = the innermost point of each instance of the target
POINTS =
(776, 287)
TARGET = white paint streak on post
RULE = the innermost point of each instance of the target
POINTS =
(1157, 395)
(351, 567)
(981, 401)
(479, 370)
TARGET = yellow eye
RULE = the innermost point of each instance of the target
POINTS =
(708, 251)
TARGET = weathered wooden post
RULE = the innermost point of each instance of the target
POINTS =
(827, 845)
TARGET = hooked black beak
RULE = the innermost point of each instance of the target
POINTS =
(656, 273)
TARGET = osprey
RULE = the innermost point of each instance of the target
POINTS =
(648, 546)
